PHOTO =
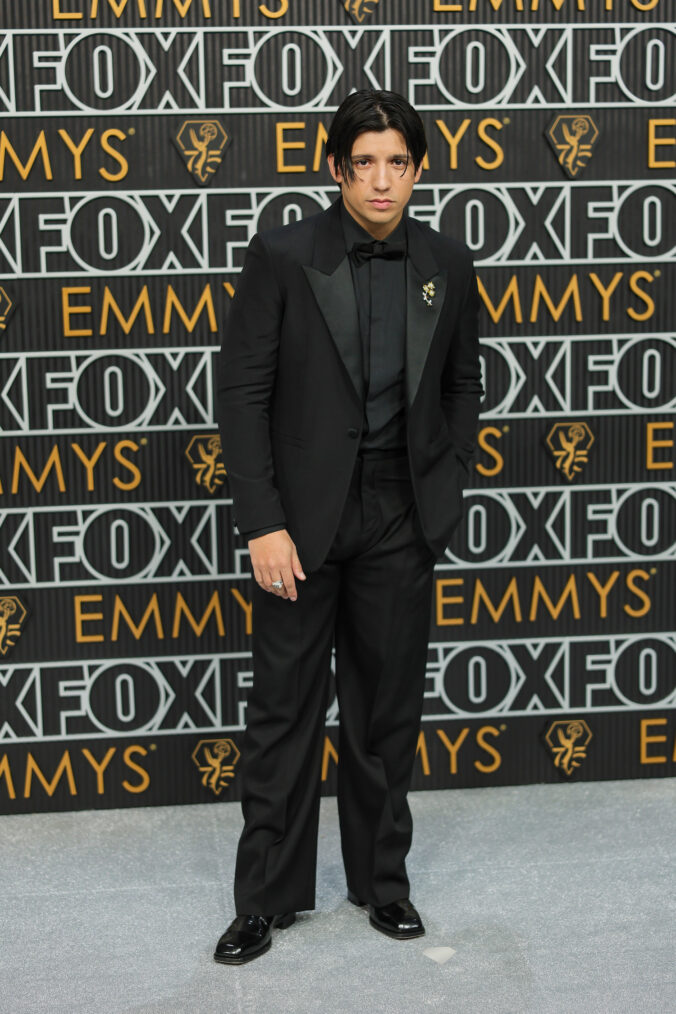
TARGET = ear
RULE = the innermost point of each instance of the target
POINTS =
(334, 170)
(418, 173)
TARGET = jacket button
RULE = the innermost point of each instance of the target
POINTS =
(352, 432)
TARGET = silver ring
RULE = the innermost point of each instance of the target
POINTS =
(277, 584)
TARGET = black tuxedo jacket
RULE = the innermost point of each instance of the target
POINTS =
(290, 390)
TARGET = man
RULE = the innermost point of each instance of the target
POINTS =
(348, 401)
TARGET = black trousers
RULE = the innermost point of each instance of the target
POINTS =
(373, 595)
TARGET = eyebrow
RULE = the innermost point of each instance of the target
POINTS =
(367, 155)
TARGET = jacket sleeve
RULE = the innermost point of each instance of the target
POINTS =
(257, 532)
(246, 375)
(461, 387)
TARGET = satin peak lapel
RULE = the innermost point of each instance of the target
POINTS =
(421, 321)
(335, 296)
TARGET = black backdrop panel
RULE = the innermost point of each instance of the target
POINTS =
(142, 144)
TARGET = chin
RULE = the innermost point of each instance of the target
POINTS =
(380, 216)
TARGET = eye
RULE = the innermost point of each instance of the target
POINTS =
(361, 162)
(400, 163)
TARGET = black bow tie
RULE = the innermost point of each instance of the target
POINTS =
(363, 252)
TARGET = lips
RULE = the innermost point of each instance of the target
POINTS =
(381, 204)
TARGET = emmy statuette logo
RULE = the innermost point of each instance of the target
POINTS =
(7, 306)
(12, 618)
(216, 759)
(572, 137)
(569, 443)
(568, 741)
(202, 143)
(203, 453)
(360, 10)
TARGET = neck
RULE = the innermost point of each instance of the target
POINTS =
(374, 230)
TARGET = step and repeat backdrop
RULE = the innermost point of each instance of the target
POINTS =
(142, 144)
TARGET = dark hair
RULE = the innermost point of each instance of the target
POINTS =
(368, 110)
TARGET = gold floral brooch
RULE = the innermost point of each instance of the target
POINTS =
(429, 292)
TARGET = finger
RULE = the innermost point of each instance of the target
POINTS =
(264, 579)
(296, 565)
(289, 584)
(281, 592)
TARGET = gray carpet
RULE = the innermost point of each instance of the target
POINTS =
(543, 898)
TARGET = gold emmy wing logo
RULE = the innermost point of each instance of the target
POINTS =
(216, 759)
(359, 10)
(12, 617)
(569, 443)
(6, 307)
(568, 741)
(203, 453)
(572, 136)
(202, 143)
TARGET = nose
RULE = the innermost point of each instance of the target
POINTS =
(381, 178)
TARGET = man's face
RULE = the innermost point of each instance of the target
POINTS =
(384, 178)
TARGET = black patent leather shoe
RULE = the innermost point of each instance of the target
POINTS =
(399, 919)
(249, 936)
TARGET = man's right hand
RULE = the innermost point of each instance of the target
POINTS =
(274, 558)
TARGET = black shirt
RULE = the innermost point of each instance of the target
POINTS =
(380, 290)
